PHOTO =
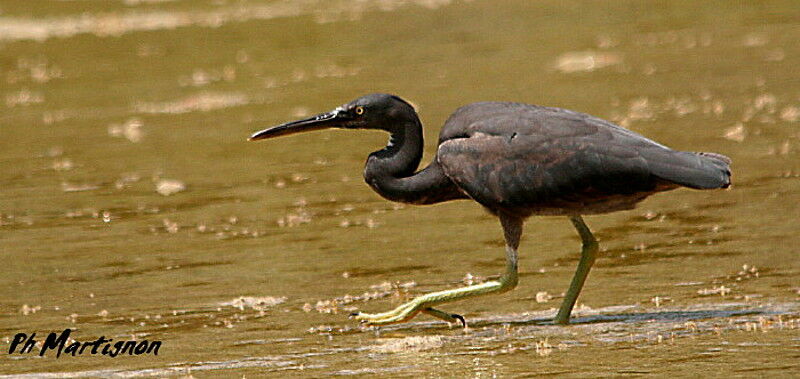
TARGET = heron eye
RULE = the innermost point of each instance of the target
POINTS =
(359, 110)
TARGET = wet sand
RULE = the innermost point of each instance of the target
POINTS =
(132, 206)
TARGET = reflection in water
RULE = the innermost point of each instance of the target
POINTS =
(258, 253)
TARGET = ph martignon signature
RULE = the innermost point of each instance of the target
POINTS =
(61, 343)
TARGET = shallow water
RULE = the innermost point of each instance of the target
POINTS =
(133, 208)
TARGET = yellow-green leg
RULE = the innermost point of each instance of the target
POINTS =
(588, 255)
(512, 229)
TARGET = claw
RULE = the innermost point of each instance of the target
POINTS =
(459, 318)
(355, 315)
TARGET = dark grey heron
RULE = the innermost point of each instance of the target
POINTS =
(516, 160)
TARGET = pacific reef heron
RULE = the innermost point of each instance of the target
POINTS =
(516, 160)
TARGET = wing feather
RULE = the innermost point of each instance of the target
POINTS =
(530, 159)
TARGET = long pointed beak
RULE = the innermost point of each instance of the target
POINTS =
(326, 120)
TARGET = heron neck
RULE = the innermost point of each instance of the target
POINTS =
(392, 171)
(401, 156)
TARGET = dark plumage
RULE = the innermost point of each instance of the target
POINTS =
(526, 159)
(516, 160)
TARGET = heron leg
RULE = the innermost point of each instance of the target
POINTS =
(588, 255)
(512, 229)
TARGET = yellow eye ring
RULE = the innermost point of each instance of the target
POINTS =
(359, 110)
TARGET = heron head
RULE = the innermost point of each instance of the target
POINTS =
(374, 111)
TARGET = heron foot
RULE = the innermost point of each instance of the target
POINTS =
(403, 313)
(400, 314)
(512, 228)
(424, 303)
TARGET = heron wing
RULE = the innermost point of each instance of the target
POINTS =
(550, 160)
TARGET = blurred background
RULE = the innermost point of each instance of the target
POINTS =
(132, 206)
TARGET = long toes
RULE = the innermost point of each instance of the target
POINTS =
(374, 322)
(360, 317)
(366, 319)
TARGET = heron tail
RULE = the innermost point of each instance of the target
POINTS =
(694, 170)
